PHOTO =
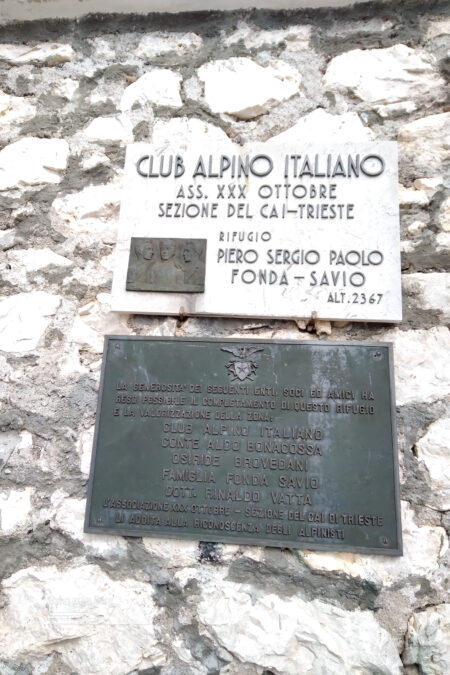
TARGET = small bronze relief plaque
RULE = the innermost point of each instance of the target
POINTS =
(280, 443)
(176, 265)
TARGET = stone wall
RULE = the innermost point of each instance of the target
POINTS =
(73, 94)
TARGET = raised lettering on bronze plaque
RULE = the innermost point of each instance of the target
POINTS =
(166, 265)
(281, 443)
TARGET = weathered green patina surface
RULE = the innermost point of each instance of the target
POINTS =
(288, 444)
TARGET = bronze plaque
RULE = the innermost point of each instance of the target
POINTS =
(176, 265)
(281, 443)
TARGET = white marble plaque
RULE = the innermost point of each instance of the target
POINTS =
(291, 232)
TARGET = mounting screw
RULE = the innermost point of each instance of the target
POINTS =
(377, 355)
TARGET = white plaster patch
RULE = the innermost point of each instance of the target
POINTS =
(242, 88)
(158, 87)
(32, 161)
(24, 318)
(66, 609)
(44, 53)
(293, 636)
(15, 506)
(432, 450)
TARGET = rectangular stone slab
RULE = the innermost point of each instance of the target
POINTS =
(281, 443)
(292, 232)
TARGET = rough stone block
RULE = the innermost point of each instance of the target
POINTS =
(382, 77)
(242, 88)
(24, 318)
(432, 450)
(65, 609)
(292, 635)
(33, 161)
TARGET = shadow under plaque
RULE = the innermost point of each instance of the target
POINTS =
(171, 265)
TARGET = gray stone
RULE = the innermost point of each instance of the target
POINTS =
(421, 374)
(438, 27)
(428, 641)
(158, 87)
(320, 126)
(295, 38)
(427, 141)
(291, 635)
(397, 77)
(33, 161)
(444, 215)
(424, 548)
(242, 88)
(67, 515)
(88, 215)
(45, 53)
(157, 44)
(65, 609)
(429, 292)
(24, 318)
(94, 321)
(432, 450)
(7, 239)
(14, 110)
(109, 129)
(15, 507)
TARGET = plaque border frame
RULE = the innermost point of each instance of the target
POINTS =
(313, 546)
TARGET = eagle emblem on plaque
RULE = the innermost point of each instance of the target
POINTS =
(242, 368)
